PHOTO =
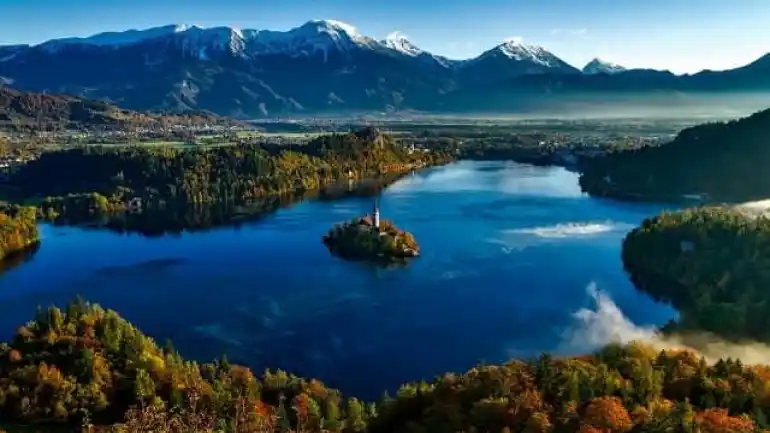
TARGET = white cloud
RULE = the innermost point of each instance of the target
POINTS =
(579, 32)
(555, 32)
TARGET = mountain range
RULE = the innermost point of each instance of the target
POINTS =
(324, 66)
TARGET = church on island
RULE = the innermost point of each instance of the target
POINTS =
(372, 220)
(369, 237)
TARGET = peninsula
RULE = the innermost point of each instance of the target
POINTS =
(19, 230)
(369, 238)
(710, 263)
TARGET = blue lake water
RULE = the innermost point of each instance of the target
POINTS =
(508, 253)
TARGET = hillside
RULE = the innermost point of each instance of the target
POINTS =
(20, 111)
(86, 365)
(720, 161)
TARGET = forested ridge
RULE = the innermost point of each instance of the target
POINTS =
(711, 263)
(29, 111)
(98, 179)
(85, 365)
(724, 160)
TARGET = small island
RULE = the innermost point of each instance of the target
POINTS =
(369, 238)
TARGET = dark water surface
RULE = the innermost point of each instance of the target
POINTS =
(508, 252)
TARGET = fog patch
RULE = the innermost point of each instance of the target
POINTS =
(605, 323)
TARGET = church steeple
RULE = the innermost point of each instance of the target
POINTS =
(376, 214)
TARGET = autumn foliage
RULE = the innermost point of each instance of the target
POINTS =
(85, 365)
(18, 230)
(608, 414)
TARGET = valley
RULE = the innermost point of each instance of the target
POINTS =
(297, 227)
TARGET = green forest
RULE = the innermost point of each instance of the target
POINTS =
(720, 160)
(96, 180)
(711, 263)
(86, 366)
(18, 230)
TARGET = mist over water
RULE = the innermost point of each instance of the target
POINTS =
(603, 322)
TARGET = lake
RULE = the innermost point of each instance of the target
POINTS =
(513, 256)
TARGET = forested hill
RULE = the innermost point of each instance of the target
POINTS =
(726, 161)
(87, 365)
(20, 111)
(711, 263)
(221, 174)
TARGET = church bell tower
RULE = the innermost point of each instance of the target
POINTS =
(376, 214)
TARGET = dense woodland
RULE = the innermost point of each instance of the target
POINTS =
(722, 160)
(99, 180)
(86, 365)
(712, 263)
(18, 230)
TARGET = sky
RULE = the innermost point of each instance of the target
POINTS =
(678, 35)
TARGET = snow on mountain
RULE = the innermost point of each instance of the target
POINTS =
(309, 38)
(316, 37)
(117, 38)
(598, 66)
(206, 43)
(516, 49)
(399, 42)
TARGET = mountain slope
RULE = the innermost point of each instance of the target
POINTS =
(722, 161)
(24, 110)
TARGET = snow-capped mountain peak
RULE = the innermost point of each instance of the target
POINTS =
(337, 31)
(516, 49)
(399, 42)
(311, 37)
(598, 66)
(336, 26)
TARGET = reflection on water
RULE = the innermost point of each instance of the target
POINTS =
(507, 251)
(17, 259)
(156, 265)
(177, 218)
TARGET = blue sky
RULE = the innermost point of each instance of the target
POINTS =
(680, 35)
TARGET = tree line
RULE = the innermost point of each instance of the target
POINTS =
(86, 365)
